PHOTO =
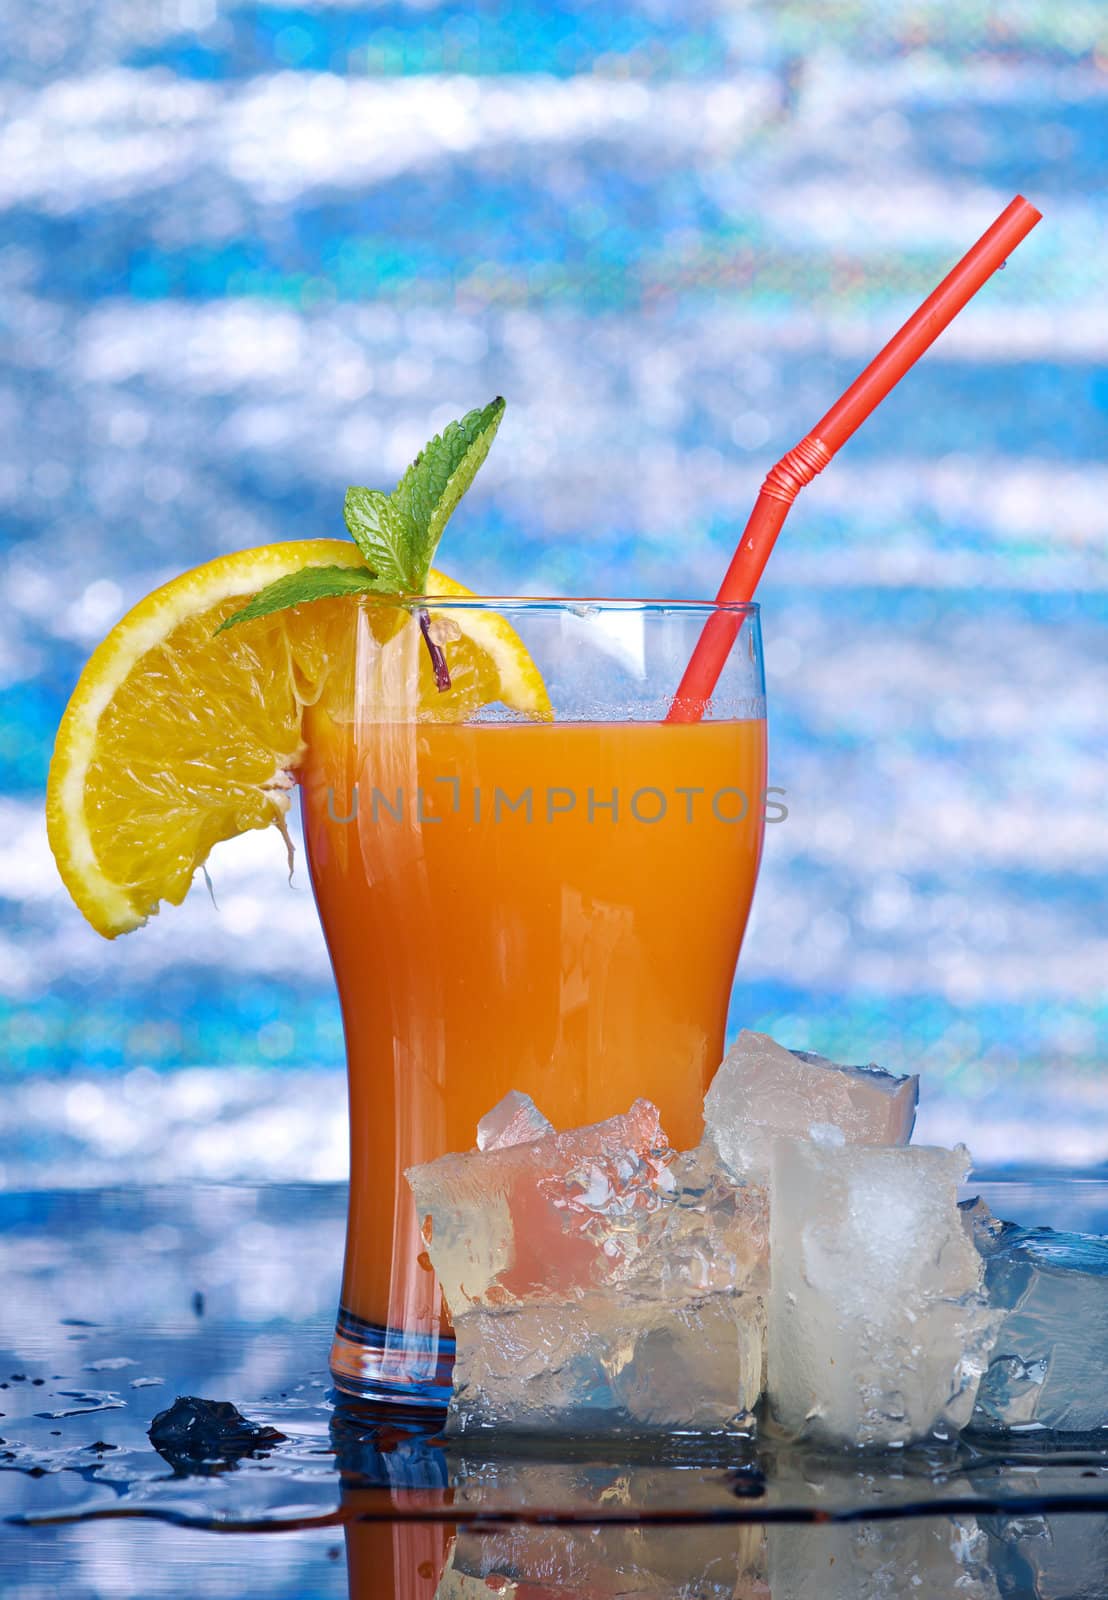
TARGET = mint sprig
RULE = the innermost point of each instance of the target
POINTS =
(379, 531)
(397, 533)
(311, 583)
(428, 493)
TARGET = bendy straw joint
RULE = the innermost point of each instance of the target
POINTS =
(796, 468)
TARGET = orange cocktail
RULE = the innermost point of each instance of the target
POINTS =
(555, 907)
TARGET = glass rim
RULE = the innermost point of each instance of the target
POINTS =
(577, 605)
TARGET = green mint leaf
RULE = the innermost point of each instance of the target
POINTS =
(381, 534)
(429, 491)
(310, 583)
(397, 534)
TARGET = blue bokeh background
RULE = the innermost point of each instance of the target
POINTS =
(252, 253)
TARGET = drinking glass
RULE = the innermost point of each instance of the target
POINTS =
(552, 906)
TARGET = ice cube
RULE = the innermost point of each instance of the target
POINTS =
(979, 1222)
(546, 1220)
(711, 1234)
(597, 1282)
(514, 1120)
(608, 1363)
(878, 1328)
(1047, 1367)
(763, 1091)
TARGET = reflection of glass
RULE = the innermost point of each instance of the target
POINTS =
(405, 1469)
(397, 1560)
(596, 1563)
(680, 1518)
(934, 1558)
(552, 907)
(388, 1468)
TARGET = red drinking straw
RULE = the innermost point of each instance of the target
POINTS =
(800, 465)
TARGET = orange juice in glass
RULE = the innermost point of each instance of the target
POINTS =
(552, 906)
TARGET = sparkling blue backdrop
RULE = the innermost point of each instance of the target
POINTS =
(251, 253)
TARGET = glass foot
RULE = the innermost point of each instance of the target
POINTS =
(389, 1366)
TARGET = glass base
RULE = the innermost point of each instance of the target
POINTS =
(390, 1367)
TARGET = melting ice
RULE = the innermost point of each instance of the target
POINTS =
(600, 1281)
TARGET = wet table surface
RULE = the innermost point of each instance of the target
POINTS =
(113, 1303)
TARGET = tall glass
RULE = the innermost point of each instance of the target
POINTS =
(554, 906)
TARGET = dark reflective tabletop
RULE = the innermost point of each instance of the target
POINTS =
(115, 1303)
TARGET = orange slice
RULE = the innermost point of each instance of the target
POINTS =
(176, 738)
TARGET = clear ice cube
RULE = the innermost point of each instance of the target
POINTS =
(711, 1234)
(1048, 1368)
(878, 1329)
(514, 1120)
(597, 1282)
(607, 1363)
(762, 1092)
(546, 1220)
